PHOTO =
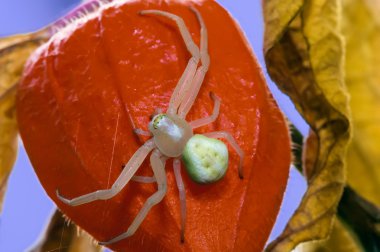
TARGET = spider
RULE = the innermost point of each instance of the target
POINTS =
(170, 132)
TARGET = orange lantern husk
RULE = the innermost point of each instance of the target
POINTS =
(85, 90)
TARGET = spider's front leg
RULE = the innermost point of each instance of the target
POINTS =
(125, 176)
(158, 166)
(191, 67)
(189, 95)
(185, 83)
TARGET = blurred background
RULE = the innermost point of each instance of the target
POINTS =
(27, 208)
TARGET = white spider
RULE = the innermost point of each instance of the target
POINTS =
(170, 133)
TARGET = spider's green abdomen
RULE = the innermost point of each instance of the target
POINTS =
(206, 159)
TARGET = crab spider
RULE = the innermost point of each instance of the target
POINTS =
(170, 132)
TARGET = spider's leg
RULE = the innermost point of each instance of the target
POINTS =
(205, 57)
(125, 176)
(191, 46)
(143, 179)
(207, 120)
(183, 85)
(190, 95)
(227, 136)
(142, 132)
(182, 195)
(158, 167)
(184, 82)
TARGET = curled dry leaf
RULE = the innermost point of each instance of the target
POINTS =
(340, 240)
(61, 235)
(361, 230)
(8, 140)
(304, 56)
(13, 53)
(361, 27)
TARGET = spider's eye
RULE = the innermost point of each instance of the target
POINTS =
(157, 119)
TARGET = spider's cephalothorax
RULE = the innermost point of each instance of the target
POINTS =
(173, 138)
(170, 134)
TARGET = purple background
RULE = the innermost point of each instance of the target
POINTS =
(26, 207)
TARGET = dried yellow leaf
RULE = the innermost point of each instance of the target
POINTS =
(304, 56)
(61, 235)
(361, 27)
(341, 240)
(14, 51)
(8, 140)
